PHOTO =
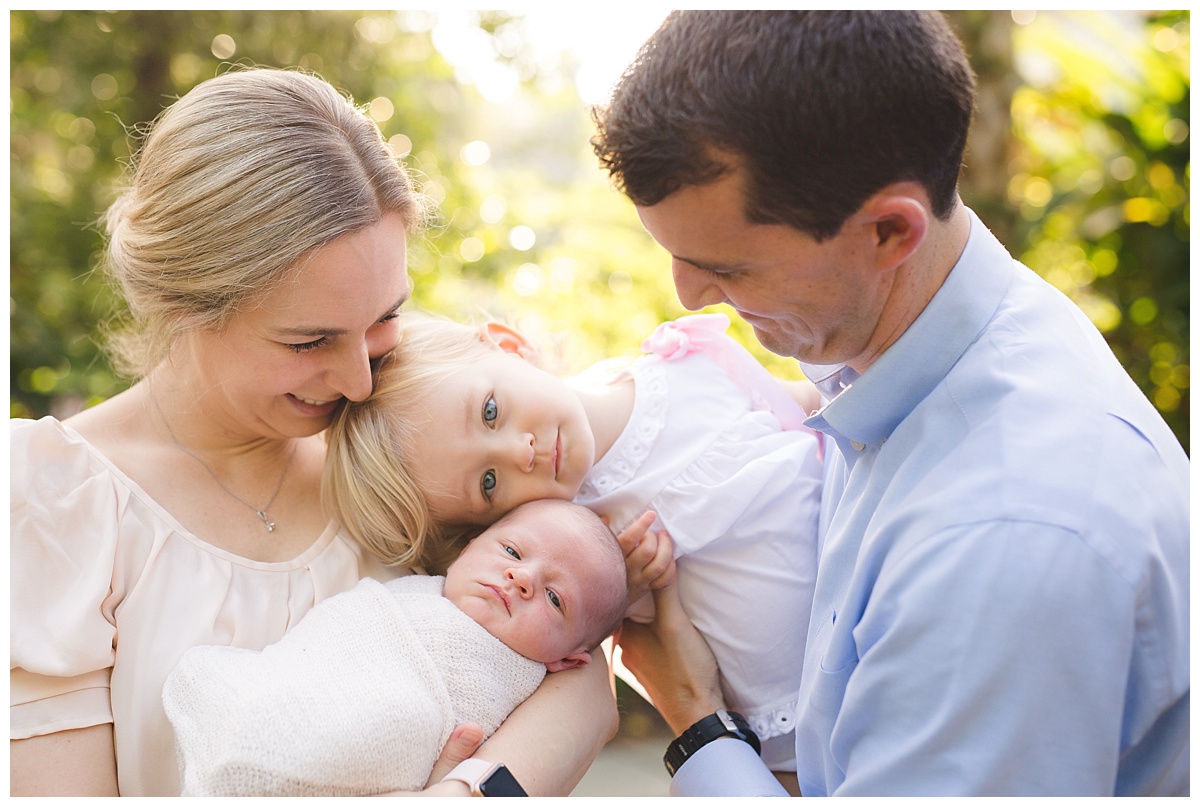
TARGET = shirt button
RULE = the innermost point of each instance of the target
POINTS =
(857, 446)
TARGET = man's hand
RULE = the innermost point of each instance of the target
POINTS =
(672, 661)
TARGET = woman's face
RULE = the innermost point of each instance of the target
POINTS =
(280, 367)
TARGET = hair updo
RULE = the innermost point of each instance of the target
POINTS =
(233, 185)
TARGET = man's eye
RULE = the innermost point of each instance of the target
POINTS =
(490, 411)
(554, 600)
(488, 484)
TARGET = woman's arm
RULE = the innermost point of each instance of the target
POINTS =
(79, 762)
(551, 739)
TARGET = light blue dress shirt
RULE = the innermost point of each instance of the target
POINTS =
(1002, 598)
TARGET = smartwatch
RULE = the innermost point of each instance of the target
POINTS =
(486, 778)
(723, 723)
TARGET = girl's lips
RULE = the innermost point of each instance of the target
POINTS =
(557, 453)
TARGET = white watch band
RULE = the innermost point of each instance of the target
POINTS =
(471, 772)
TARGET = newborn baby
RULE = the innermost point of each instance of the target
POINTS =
(362, 694)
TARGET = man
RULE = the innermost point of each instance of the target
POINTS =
(1002, 600)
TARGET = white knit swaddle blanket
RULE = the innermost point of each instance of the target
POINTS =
(357, 699)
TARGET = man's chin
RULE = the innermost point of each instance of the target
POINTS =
(777, 344)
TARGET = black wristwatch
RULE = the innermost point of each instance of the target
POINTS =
(486, 778)
(723, 723)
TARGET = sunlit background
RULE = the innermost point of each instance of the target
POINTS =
(1078, 160)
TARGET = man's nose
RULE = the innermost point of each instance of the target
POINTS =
(695, 287)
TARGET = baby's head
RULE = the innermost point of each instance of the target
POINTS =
(548, 580)
(462, 427)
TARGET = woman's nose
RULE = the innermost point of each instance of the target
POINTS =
(352, 376)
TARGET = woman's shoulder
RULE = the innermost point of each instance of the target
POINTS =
(50, 451)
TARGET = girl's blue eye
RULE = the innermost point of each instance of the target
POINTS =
(488, 484)
(554, 600)
(490, 411)
(307, 346)
(512, 552)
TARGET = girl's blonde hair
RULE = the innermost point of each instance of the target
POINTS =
(234, 185)
(371, 485)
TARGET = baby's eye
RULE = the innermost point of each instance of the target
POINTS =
(554, 600)
(488, 484)
(513, 552)
(490, 411)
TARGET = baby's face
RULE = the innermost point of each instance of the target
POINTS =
(537, 584)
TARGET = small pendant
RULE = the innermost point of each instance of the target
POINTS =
(270, 524)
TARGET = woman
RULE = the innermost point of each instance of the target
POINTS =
(261, 249)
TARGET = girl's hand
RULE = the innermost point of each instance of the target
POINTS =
(649, 556)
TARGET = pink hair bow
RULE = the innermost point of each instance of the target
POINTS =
(705, 333)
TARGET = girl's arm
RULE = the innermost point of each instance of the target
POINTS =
(804, 393)
(551, 739)
(79, 762)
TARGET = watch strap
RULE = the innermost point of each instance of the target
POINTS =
(472, 772)
(722, 723)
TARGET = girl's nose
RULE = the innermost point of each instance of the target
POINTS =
(523, 452)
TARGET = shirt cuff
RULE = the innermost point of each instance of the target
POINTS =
(725, 767)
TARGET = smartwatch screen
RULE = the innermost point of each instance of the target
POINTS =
(501, 783)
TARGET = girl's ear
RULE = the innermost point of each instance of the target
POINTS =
(510, 340)
(570, 662)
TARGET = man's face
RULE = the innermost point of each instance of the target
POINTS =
(817, 302)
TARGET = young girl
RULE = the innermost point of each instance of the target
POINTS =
(463, 426)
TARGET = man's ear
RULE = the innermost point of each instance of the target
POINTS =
(570, 662)
(510, 340)
(899, 219)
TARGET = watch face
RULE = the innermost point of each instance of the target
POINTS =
(501, 783)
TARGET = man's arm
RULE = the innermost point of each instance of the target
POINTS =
(672, 661)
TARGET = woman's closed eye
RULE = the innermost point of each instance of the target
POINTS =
(305, 347)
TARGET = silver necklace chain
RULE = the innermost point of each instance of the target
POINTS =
(261, 512)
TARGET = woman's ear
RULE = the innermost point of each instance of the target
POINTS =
(510, 340)
(570, 662)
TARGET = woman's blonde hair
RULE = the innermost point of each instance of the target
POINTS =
(234, 185)
(371, 485)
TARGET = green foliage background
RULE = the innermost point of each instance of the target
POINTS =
(1079, 161)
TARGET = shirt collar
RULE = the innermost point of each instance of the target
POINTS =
(868, 408)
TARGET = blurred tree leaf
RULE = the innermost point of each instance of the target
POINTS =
(1078, 160)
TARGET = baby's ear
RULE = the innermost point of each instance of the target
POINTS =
(570, 662)
(510, 340)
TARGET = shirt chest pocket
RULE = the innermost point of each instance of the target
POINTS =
(838, 658)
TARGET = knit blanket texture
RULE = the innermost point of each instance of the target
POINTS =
(357, 699)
